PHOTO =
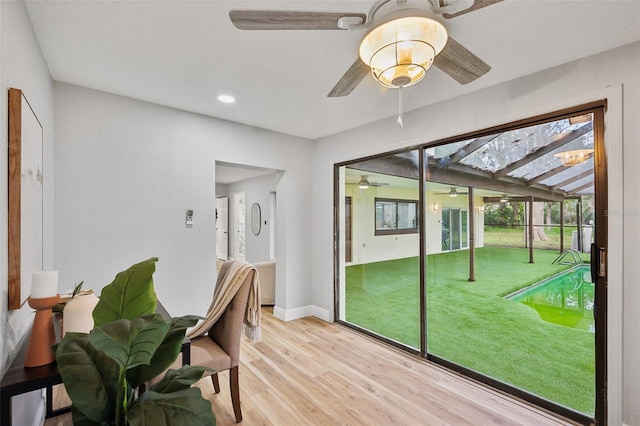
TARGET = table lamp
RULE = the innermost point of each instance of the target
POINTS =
(44, 296)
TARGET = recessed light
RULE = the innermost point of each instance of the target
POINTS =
(227, 99)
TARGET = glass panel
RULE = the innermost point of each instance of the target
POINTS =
(407, 215)
(455, 229)
(446, 230)
(380, 288)
(472, 321)
(463, 227)
(386, 215)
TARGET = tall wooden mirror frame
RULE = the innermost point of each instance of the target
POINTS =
(25, 202)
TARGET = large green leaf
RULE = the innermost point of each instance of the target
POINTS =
(79, 418)
(176, 380)
(90, 377)
(166, 354)
(130, 343)
(184, 407)
(130, 295)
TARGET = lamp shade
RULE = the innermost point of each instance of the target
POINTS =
(77, 315)
(575, 157)
(401, 50)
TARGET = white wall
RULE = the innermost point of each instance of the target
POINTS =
(128, 170)
(22, 67)
(614, 75)
(222, 190)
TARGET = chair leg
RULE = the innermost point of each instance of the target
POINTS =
(235, 392)
(216, 383)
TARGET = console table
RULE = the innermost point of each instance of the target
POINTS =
(19, 380)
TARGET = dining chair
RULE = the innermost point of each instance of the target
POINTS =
(219, 348)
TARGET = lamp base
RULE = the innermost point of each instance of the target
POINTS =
(42, 334)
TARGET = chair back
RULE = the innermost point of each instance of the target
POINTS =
(227, 330)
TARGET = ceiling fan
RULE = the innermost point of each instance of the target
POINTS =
(453, 192)
(454, 59)
(364, 183)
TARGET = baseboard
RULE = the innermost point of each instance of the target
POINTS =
(323, 314)
(302, 312)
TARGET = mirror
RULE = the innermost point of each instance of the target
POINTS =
(255, 218)
(25, 197)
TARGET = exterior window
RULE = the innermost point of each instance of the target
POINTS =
(396, 216)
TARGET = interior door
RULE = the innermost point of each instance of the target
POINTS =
(222, 228)
(239, 249)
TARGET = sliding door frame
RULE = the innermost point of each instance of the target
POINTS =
(599, 259)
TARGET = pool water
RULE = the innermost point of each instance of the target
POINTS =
(565, 299)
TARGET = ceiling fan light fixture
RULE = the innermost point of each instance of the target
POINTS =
(575, 157)
(363, 184)
(401, 50)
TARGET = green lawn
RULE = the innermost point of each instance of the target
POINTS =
(514, 237)
(471, 324)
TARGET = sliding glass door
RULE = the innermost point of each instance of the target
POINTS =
(476, 254)
(454, 229)
(380, 268)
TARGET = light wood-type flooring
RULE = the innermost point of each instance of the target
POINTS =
(309, 372)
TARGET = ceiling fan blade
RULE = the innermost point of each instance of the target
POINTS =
(288, 20)
(460, 64)
(354, 75)
(478, 4)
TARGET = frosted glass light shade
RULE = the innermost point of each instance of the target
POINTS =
(401, 51)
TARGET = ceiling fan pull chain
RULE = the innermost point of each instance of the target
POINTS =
(400, 107)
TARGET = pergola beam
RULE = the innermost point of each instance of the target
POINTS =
(547, 175)
(586, 173)
(451, 177)
(471, 148)
(561, 141)
(582, 188)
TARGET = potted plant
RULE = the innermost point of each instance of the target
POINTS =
(130, 345)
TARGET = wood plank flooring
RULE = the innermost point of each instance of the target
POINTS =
(309, 372)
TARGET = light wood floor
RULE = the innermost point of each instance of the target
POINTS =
(308, 372)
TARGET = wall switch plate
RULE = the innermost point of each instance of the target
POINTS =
(189, 219)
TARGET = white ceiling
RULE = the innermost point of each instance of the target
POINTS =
(183, 54)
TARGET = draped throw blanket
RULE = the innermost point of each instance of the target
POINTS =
(224, 293)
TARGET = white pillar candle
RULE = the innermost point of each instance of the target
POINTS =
(44, 284)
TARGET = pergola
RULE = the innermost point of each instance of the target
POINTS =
(548, 162)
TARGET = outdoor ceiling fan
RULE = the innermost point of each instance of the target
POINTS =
(453, 192)
(400, 44)
(364, 183)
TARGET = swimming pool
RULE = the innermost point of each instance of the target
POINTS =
(565, 299)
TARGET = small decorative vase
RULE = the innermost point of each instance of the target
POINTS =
(77, 314)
